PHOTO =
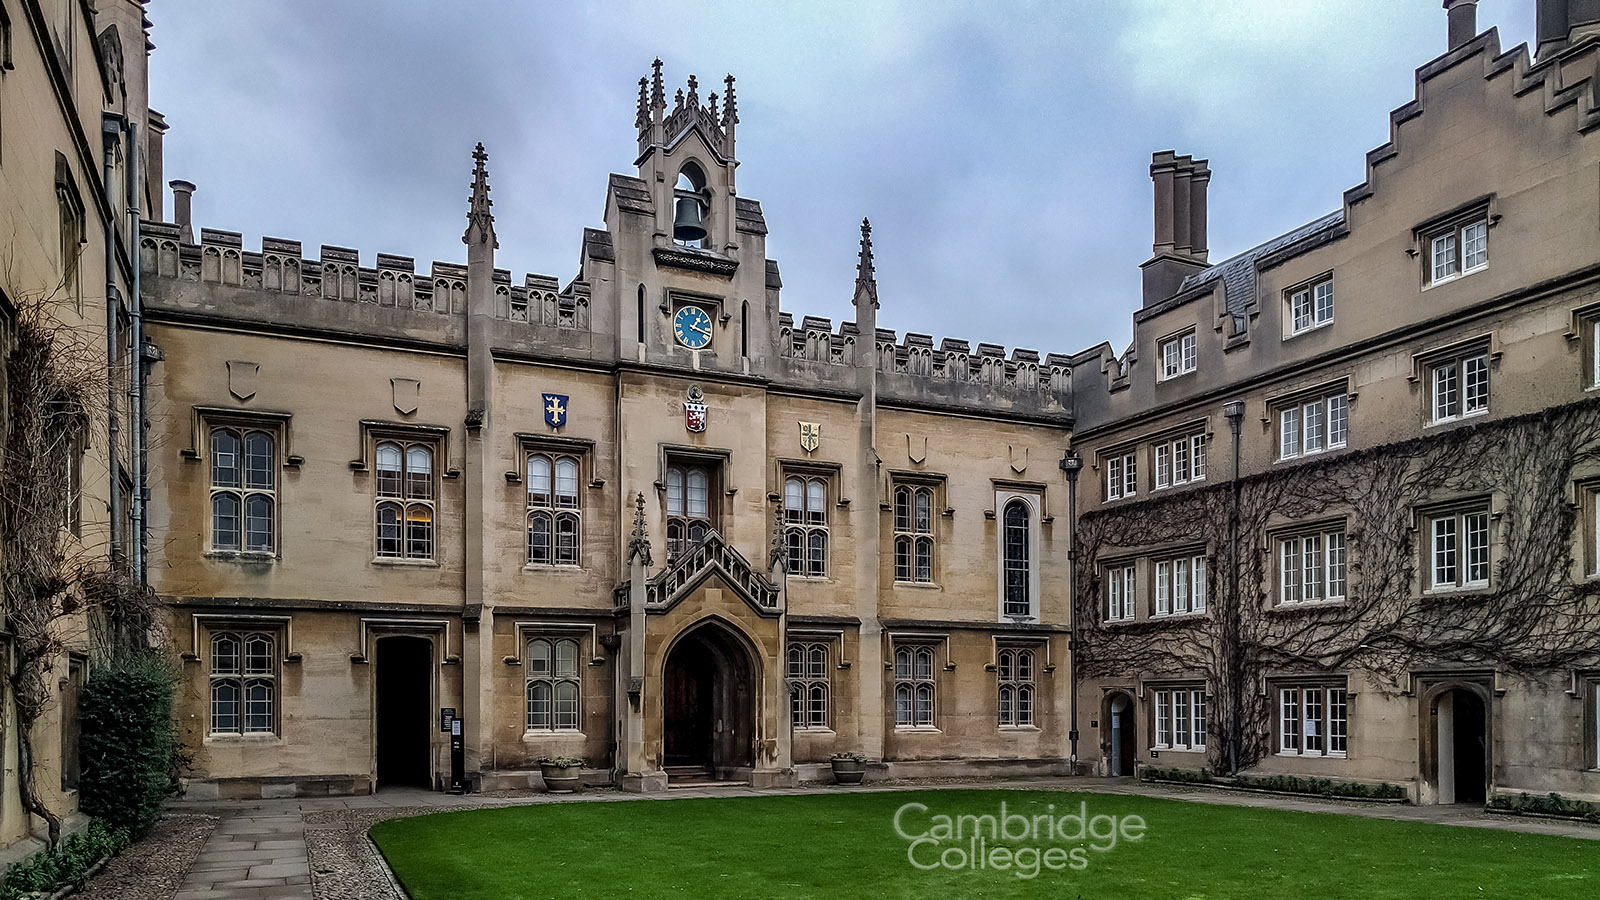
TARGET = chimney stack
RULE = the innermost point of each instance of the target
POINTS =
(1561, 23)
(182, 196)
(1179, 248)
(1463, 21)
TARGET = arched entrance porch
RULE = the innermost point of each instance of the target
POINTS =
(1120, 743)
(709, 683)
(1458, 756)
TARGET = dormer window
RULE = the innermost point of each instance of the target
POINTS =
(689, 207)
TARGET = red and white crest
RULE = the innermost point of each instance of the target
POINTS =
(694, 410)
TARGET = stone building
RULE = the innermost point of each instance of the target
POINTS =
(644, 517)
(76, 144)
(1340, 509)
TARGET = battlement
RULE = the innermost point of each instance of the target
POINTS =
(281, 267)
(659, 126)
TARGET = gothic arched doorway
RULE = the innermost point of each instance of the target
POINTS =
(1121, 742)
(1461, 745)
(708, 704)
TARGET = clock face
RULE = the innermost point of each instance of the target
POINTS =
(692, 327)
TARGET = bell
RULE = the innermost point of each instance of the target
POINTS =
(686, 224)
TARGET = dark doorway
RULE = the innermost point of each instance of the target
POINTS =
(1463, 747)
(405, 711)
(1123, 742)
(708, 705)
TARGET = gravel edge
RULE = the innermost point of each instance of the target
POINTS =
(155, 866)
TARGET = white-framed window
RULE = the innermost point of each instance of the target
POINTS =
(690, 509)
(1313, 721)
(1180, 719)
(1180, 586)
(1313, 426)
(805, 532)
(1181, 460)
(1594, 353)
(1458, 549)
(1311, 305)
(1019, 573)
(1014, 670)
(405, 498)
(552, 689)
(913, 533)
(244, 682)
(913, 687)
(555, 519)
(1460, 387)
(1122, 475)
(244, 497)
(809, 684)
(1594, 724)
(1311, 567)
(1119, 592)
(1457, 250)
(1178, 355)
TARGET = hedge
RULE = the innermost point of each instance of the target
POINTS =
(127, 745)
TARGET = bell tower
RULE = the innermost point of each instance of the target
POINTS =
(686, 156)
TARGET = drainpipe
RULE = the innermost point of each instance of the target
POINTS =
(136, 403)
(111, 127)
(1071, 463)
(1233, 410)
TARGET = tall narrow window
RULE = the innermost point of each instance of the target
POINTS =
(1016, 564)
(689, 508)
(1458, 549)
(913, 534)
(1460, 387)
(1122, 476)
(809, 684)
(744, 329)
(243, 683)
(913, 687)
(640, 324)
(70, 211)
(553, 514)
(243, 490)
(805, 516)
(405, 500)
(1015, 671)
(1458, 249)
(1178, 355)
(1311, 305)
(552, 688)
(1119, 593)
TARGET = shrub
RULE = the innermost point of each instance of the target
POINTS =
(849, 757)
(1547, 805)
(565, 762)
(1321, 787)
(68, 863)
(127, 743)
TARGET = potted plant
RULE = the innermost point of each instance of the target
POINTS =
(848, 768)
(562, 774)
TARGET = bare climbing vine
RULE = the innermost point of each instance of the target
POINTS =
(1538, 614)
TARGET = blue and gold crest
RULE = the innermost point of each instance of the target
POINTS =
(555, 410)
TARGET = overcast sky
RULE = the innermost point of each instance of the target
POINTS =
(1000, 149)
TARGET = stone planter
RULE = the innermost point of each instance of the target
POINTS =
(848, 771)
(561, 779)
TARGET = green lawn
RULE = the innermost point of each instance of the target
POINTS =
(845, 845)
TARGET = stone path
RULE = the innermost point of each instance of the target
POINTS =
(259, 848)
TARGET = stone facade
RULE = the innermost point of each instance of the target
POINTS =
(662, 410)
(1401, 579)
(77, 143)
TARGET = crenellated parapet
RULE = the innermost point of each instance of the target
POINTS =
(957, 362)
(280, 267)
(815, 340)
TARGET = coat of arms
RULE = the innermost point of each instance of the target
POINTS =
(555, 410)
(810, 436)
(694, 410)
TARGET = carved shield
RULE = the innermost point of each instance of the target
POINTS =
(694, 410)
(242, 377)
(810, 436)
(406, 391)
(555, 410)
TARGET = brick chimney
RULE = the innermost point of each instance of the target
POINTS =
(182, 216)
(1179, 248)
(1463, 21)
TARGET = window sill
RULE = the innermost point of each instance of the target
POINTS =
(552, 567)
(1128, 621)
(243, 739)
(1302, 332)
(1453, 278)
(242, 556)
(1288, 605)
(814, 730)
(1453, 590)
(919, 585)
(1296, 754)
(1323, 452)
(1023, 729)
(1180, 749)
(1163, 617)
(814, 579)
(563, 734)
(1166, 378)
(1454, 419)
(917, 729)
(405, 563)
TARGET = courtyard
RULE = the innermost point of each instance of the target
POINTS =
(970, 843)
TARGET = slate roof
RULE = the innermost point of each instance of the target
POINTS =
(1238, 273)
(633, 195)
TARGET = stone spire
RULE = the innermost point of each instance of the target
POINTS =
(866, 280)
(639, 544)
(642, 120)
(658, 91)
(730, 116)
(480, 222)
(778, 560)
(716, 117)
